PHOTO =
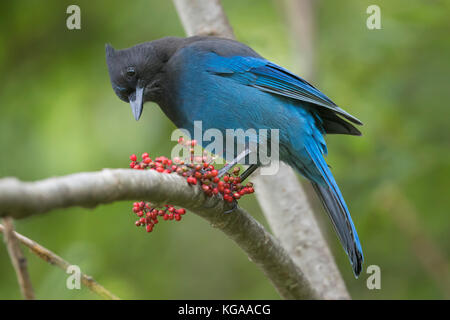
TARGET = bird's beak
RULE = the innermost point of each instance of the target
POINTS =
(137, 102)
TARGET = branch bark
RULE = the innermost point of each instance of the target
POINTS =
(301, 22)
(207, 18)
(23, 199)
(18, 260)
(56, 260)
(297, 231)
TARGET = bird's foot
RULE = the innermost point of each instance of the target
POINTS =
(234, 206)
(234, 162)
(248, 172)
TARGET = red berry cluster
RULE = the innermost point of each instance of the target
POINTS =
(198, 170)
(148, 214)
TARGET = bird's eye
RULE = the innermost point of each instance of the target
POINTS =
(131, 72)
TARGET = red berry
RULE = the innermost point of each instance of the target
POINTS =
(149, 228)
(192, 180)
(133, 157)
(166, 216)
(181, 211)
(160, 169)
(226, 197)
(145, 155)
(177, 217)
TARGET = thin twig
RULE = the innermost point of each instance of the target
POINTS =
(56, 260)
(18, 260)
(23, 199)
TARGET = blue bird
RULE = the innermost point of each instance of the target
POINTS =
(227, 85)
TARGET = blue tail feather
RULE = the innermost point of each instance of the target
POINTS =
(333, 201)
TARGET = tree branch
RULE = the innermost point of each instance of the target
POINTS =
(18, 260)
(23, 199)
(300, 19)
(207, 18)
(298, 231)
(56, 260)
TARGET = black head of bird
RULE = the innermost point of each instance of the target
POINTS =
(136, 73)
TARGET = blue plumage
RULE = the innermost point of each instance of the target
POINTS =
(227, 85)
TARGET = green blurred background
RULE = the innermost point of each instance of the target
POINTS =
(59, 115)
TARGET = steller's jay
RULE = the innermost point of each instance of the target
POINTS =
(227, 85)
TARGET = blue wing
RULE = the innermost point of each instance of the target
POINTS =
(269, 77)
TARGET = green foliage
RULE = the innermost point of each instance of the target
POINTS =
(58, 115)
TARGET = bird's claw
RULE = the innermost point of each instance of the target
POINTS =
(234, 207)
